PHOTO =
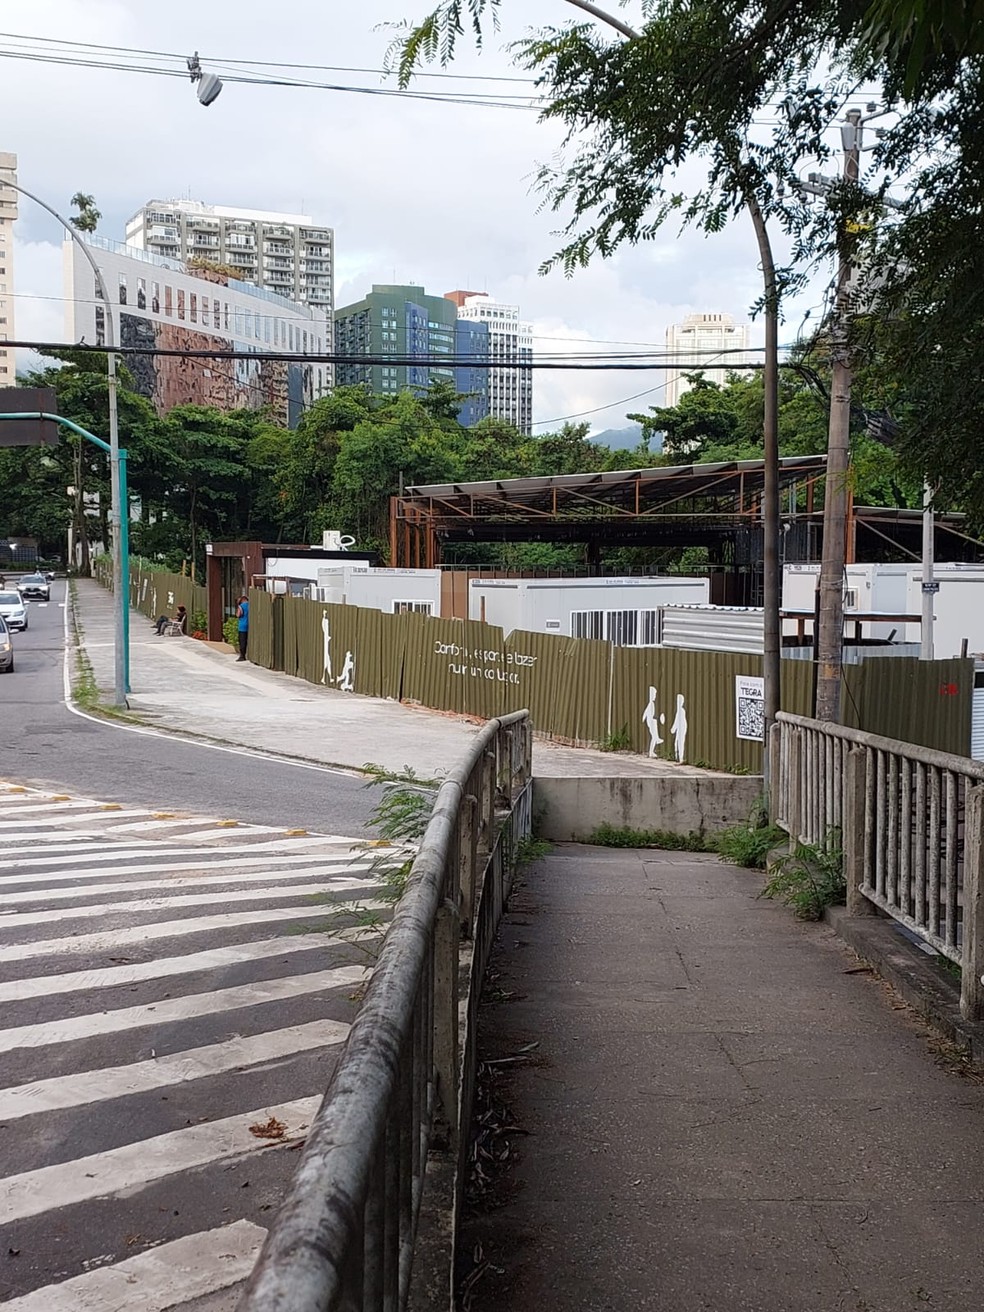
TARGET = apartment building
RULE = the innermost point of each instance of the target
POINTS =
(510, 378)
(401, 321)
(712, 338)
(160, 304)
(286, 253)
(8, 216)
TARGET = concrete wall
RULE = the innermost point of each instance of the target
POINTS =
(569, 810)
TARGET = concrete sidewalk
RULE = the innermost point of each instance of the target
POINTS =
(194, 687)
(724, 1112)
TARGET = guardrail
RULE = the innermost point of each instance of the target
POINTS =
(910, 822)
(398, 1106)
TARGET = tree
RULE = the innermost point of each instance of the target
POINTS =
(87, 219)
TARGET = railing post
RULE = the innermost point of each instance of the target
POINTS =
(794, 820)
(446, 938)
(467, 860)
(854, 838)
(972, 953)
(774, 749)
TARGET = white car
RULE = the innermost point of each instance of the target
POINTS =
(13, 610)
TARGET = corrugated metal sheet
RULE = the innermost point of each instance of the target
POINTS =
(922, 702)
(713, 628)
(977, 725)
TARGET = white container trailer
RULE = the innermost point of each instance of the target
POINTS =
(389, 590)
(958, 608)
(868, 588)
(714, 628)
(624, 611)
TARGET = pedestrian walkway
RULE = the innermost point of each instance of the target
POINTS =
(174, 993)
(723, 1112)
(191, 686)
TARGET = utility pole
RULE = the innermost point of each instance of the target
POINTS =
(930, 586)
(830, 638)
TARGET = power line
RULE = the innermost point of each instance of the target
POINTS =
(565, 362)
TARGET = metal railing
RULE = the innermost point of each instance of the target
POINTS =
(399, 1100)
(910, 821)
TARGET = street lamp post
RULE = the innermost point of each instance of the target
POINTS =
(118, 512)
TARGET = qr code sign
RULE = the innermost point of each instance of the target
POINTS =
(749, 708)
(751, 718)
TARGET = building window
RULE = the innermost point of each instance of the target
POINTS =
(141, 293)
(181, 304)
(155, 297)
(168, 302)
(205, 311)
(193, 307)
(217, 314)
(122, 289)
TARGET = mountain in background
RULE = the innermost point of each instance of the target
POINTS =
(624, 439)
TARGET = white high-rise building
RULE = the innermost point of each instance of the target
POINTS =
(712, 344)
(287, 253)
(8, 214)
(510, 347)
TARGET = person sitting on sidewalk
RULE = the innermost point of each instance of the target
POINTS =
(180, 618)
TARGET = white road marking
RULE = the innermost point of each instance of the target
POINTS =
(157, 1279)
(137, 1165)
(48, 804)
(270, 877)
(167, 1010)
(212, 959)
(46, 878)
(73, 817)
(312, 890)
(113, 940)
(192, 861)
(78, 1090)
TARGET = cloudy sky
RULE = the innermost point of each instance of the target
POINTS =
(437, 194)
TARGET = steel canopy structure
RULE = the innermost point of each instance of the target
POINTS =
(718, 505)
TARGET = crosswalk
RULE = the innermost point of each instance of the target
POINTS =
(174, 993)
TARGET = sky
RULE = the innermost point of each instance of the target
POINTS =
(417, 192)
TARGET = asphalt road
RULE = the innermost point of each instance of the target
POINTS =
(43, 743)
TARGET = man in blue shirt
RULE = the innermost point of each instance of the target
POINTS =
(242, 615)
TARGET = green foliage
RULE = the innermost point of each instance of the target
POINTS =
(230, 631)
(751, 843)
(198, 623)
(666, 840)
(531, 850)
(809, 879)
(619, 740)
(400, 817)
(87, 218)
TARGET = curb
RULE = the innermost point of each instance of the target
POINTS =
(911, 973)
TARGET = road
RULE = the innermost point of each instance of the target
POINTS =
(180, 960)
(42, 742)
(174, 993)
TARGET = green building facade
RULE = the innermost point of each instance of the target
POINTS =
(402, 322)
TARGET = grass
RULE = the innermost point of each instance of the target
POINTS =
(531, 850)
(665, 839)
(619, 740)
(749, 844)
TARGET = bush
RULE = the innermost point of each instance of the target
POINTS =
(748, 844)
(664, 839)
(230, 631)
(809, 879)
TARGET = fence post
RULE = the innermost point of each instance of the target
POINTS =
(854, 832)
(774, 748)
(972, 963)
(446, 936)
(467, 860)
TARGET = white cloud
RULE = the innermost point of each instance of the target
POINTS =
(437, 194)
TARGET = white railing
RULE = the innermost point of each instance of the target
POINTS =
(910, 822)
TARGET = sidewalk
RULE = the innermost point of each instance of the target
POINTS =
(182, 684)
(724, 1113)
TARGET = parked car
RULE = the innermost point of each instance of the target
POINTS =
(35, 587)
(13, 610)
(6, 650)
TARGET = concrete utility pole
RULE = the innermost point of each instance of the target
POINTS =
(830, 638)
(121, 581)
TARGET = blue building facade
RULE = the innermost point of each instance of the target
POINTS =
(471, 344)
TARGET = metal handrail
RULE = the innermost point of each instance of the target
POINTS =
(911, 751)
(343, 1238)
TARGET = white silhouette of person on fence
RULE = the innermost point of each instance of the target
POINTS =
(679, 728)
(346, 680)
(652, 723)
(326, 676)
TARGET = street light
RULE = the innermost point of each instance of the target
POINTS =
(121, 570)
